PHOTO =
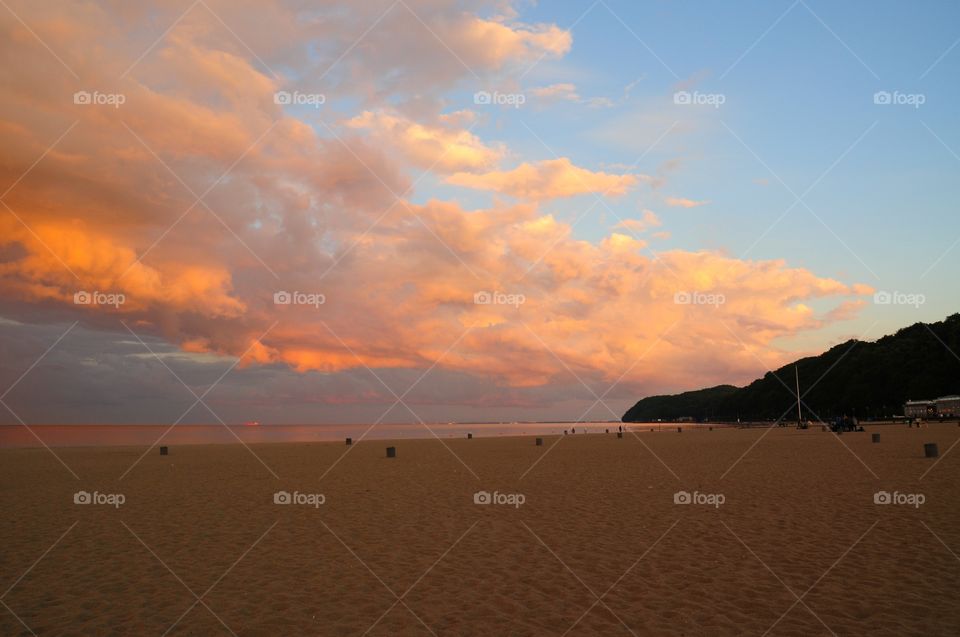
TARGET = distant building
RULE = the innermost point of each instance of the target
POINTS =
(920, 409)
(948, 406)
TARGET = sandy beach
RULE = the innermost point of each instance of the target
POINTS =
(584, 537)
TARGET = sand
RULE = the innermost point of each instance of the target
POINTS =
(798, 519)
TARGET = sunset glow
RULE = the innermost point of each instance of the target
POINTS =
(198, 172)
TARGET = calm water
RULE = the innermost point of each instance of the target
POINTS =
(145, 435)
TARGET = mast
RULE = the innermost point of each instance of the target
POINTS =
(797, 374)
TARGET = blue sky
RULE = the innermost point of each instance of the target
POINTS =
(798, 81)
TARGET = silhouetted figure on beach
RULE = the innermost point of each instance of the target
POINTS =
(845, 423)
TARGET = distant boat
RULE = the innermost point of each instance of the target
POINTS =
(252, 423)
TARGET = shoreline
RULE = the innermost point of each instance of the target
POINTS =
(336, 434)
(69, 436)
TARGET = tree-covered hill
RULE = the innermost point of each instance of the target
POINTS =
(861, 378)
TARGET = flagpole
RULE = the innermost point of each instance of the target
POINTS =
(797, 374)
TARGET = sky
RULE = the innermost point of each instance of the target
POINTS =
(428, 210)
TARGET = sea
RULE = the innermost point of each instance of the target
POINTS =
(85, 435)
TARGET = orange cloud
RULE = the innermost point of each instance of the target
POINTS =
(681, 202)
(441, 147)
(492, 42)
(549, 179)
(649, 220)
(500, 293)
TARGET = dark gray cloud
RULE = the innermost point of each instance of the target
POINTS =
(97, 375)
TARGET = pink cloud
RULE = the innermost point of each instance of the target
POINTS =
(682, 202)
(548, 179)
(566, 91)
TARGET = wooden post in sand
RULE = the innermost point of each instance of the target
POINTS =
(539, 442)
(391, 452)
(874, 437)
(608, 431)
(930, 450)
(163, 451)
(711, 429)
(349, 441)
(469, 436)
(619, 434)
(679, 430)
